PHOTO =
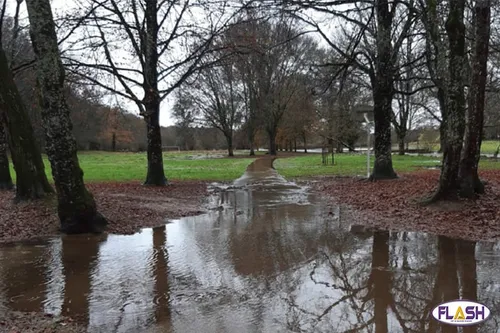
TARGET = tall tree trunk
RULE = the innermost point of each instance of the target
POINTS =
(251, 140)
(295, 145)
(31, 180)
(156, 173)
(444, 118)
(455, 107)
(383, 92)
(304, 138)
(76, 206)
(383, 146)
(229, 140)
(272, 141)
(470, 184)
(5, 179)
(442, 137)
(401, 143)
(340, 148)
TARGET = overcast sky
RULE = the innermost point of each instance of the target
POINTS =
(60, 6)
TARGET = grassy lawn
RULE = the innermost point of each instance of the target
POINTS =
(487, 147)
(355, 164)
(106, 166)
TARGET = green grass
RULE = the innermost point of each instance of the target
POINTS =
(106, 166)
(487, 147)
(355, 164)
(346, 165)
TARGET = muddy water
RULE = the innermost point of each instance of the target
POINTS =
(271, 258)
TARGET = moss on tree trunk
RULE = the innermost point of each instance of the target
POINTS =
(455, 106)
(151, 101)
(156, 174)
(76, 206)
(5, 179)
(382, 168)
(470, 184)
(31, 180)
(383, 91)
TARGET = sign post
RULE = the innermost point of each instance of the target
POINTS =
(367, 145)
(365, 114)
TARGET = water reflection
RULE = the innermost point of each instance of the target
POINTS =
(271, 261)
(160, 274)
(79, 256)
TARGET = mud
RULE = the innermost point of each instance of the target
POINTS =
(276, 257)
(400, 205)
(127, 206)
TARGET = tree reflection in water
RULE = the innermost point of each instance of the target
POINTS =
(393, 288)
(79, 257)
(160, 273)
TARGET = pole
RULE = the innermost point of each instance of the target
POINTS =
(367, 145)
(368, 154)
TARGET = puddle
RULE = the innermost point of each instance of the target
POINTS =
(270, 261)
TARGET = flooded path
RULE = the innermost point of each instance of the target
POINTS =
(271, 258)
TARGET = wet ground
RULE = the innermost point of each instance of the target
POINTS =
(273, 257)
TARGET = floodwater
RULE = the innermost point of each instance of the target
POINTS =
(276, 258)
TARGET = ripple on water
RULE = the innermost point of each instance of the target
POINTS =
(271, 261)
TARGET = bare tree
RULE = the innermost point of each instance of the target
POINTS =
(336, 106)
(76, 206)
(410, 83)
(244, 37)
(164, 42)
(217, 95)
(371, 43)
(185, 114)
(300, 116)
(283, 56)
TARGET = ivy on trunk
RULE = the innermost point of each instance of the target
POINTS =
(76, 206)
